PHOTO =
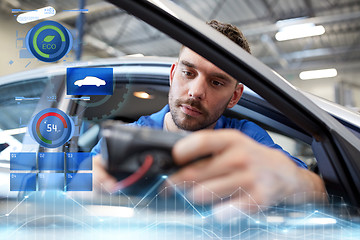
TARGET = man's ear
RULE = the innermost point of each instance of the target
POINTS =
(172, 72)
(236, 95)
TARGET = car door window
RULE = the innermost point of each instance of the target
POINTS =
(18, 101)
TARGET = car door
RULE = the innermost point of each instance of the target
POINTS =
(335, 147)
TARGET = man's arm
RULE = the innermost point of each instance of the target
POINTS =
(257, 133)
(265, 176)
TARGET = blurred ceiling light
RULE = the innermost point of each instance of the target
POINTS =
(135, 55)
(143, 95)
(299, 31)
(322, 73)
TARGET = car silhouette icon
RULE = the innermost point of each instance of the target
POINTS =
(90, 81)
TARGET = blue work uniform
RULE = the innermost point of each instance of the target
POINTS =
(156, 120)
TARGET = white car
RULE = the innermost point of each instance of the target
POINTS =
(90, 81)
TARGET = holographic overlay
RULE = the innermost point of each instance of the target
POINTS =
(168, 213)
(49, 41)
(22, 161)
(89, 81)
(79, 182)
(78, 161)
(50, 171)
(51, 161)
(35, 15)
(22, 181)
(51, 128)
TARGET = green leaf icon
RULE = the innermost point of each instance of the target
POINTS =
(48, 38)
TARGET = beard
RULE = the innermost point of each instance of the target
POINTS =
(190, 123)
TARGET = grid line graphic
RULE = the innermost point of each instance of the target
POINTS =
(31, 171)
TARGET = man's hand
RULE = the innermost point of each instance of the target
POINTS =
(248, 175)
(102, 179)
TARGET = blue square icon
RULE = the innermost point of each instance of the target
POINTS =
(51, 161)
(79, 182)
(22, 160)
(22, 181)
(51, 181)
(89, 81)
(78, 161)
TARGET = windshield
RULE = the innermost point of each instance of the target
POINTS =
(70, 66)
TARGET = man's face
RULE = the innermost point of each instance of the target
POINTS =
(200, 92)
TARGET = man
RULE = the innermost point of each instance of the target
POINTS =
(199, 94)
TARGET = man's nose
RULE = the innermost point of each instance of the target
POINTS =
(197, 88)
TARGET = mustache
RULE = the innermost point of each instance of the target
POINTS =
(191, 102)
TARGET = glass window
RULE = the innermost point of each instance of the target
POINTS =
(18, 101)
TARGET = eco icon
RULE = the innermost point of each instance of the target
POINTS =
(49, 41)
(48, 38)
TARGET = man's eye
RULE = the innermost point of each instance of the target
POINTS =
(217, 83)
(187, 73)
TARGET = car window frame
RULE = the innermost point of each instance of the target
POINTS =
(334, 146)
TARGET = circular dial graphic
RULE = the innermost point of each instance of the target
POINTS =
(51, 128)
(49, 41)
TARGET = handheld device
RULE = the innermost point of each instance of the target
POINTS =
(134, 153)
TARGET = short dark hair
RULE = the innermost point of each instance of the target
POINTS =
(232, 32)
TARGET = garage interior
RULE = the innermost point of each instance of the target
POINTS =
(109, 32)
